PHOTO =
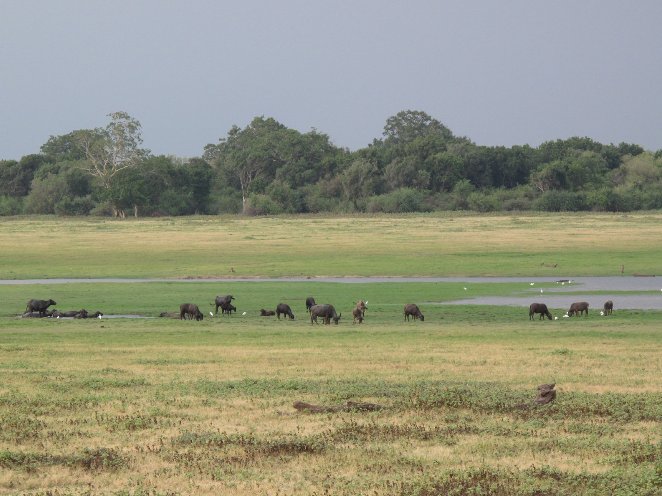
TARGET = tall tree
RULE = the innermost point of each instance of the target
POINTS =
(408, 125)
(251, 155)
(112, 149)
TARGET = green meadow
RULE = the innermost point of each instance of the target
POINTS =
(159, 406)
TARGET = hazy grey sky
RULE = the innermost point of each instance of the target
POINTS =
(498, 72)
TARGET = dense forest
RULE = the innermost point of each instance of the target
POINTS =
(266, 168)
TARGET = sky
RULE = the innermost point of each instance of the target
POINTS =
(501, 73)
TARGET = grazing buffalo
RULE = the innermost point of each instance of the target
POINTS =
(540, 308)
(310, 302)
(327, 312)
(361, 305)
(358, 315)
(190, 311)
(224, 302)
(411, 309)
(608, 307)
(285, 309)
(578, 308)
(39, 306)
(267, 313)
(228, 309)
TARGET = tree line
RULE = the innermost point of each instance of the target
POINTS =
(418, 165)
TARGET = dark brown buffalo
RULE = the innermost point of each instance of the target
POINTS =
(82, 314)
(190, 311)
(267, 313)
(578, 308)
(37, 315)
(69, 313)
(608, 307)
(310, 302)
(411, 309)
(228, 309)
(327, 312)
(39, 306)
(540, 308)
(224, 302)
(284, 308)
(357, 313)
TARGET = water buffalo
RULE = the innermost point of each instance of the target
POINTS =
(69, 313)
(540, 308)
(358, 315)
(82, 314)
(285, 309)
(411, 309)
(267, 313)
(36, 315)
(578, 308)
(327, 312)
(608, 307)
(39, 306)
(223, 302)
(310, 302)
(190, 311)
(361, 305)
(228, 308)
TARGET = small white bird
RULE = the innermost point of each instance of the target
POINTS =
(556, 318)
(466, 289)
(244, 313)
(541, 290)
(602, 313)
(566, 315)
(531, 283)
(562, 284)
(210, 313)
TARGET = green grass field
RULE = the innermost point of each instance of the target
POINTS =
(158, 406)
(415, 245)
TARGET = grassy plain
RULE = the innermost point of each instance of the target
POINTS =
(414, 245)
(162, 407)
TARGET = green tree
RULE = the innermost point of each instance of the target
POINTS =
(16, 177)
(408, 125)
(250, 155)
(112, 149)
(359, 181)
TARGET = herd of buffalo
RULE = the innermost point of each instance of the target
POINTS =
(578, 308)
(39, 308)
(190, 311)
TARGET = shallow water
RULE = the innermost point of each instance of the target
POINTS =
(552, 296)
